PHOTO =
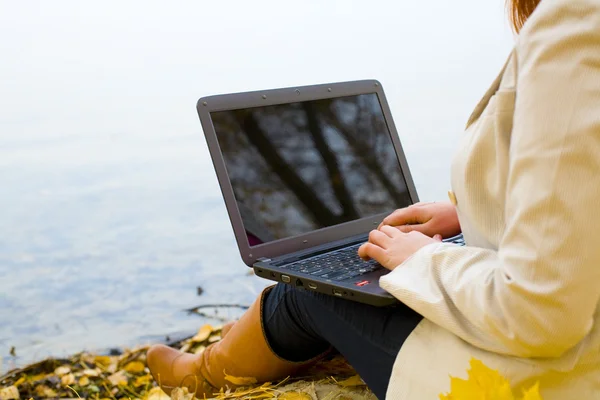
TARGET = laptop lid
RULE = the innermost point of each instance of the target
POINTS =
(304, 166)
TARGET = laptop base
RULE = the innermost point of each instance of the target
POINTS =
(364, 289)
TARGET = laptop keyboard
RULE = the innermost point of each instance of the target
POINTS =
(338, 265)
(345, 263)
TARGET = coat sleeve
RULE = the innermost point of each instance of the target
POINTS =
(537, 294)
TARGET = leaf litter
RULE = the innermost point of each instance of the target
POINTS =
(126, 376)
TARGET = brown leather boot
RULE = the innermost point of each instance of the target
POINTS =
(243, 353)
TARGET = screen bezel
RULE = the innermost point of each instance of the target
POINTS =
(226, 102)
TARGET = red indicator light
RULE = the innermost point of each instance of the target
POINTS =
(362, 283)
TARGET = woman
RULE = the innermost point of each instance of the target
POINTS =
(523, 295)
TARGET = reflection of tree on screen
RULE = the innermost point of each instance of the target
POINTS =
(299, 167)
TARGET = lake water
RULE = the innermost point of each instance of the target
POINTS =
(110, 213)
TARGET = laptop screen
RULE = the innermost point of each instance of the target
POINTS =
(299, 167)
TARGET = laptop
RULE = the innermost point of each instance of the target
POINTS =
(306, 173)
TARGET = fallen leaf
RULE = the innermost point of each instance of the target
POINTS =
(67, 379)
(88, 358)
(135, 367)
(295, 396)
(352, 381)
(118, 378)
(203, 333)
(45, 391)
(156, 393)
(19, 381)
(37, 377)
(200, 350)
(112, 368)
(91, 372)
(186, 347)
(63, 370)
(84, 381)
(214, 338)
(93, 389)
(142, 380)
(240, 381)
(181, 394)
(104, 361)
(9, 393)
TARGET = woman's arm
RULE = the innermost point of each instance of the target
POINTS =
(536, 296)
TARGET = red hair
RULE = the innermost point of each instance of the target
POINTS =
(520, 10)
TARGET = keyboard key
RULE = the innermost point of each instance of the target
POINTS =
(333, 274)
(311, 269)
(343, 277)
(322, 272)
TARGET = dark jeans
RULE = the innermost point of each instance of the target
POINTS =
(301, 324)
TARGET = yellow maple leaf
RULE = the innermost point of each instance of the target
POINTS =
(156, 393)
(484, 383)
(103, 360)
(84, 381)
(135, 367)
(142, 380)
(533, 393)
(203, 334)
(490, 382)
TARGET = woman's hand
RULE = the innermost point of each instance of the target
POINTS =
(427, 218)
(390, 247)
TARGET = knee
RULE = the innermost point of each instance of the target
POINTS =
(292, 299)
(282, 292)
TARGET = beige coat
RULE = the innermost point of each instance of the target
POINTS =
(523, 296)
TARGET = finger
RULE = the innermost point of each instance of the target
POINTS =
(403, 216)
(437, 237)
(405, 228)
(362, 251)
(370, 250)
(427, 228)
(422, 203)
(390, 231)
(379, 238)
